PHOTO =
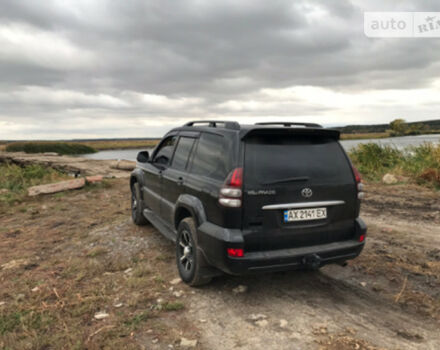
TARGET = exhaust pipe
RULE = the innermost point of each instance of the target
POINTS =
(312, 261)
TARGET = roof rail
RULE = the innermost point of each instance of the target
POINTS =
(288, 124)
(215, 124)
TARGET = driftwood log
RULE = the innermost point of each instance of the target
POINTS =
(123, 165)
(63, 185)
(57, 187)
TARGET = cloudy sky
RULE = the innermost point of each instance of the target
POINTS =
(84, 69)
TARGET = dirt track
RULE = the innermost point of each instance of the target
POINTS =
(388, 298)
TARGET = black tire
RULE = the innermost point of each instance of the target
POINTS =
(137, 206)
(190, 261)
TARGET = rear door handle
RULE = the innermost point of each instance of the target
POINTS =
(180, 181)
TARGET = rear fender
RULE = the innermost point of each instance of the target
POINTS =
(191, 204)
(195, 207)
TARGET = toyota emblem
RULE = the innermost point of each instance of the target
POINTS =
(306, 192)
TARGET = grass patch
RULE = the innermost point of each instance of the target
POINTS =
(141, 271)
(104, 184)
(28, 320)
(158, 279)
(41, 147)
(173, 306)
(15, 180)
(8, 322)
(136, 320)
(93, 253)
(420, 164)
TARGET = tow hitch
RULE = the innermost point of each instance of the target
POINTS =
(312, 261)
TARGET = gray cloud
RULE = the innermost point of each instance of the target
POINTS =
(89, 64)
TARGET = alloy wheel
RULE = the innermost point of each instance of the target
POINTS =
(186, 256)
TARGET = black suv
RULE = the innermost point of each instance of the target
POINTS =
(246, 198)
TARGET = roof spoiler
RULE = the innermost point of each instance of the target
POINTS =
(289, 124)
(330, 133)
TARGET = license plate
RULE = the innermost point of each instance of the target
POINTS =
(305, 214)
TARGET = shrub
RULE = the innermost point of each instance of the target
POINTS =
(421, 164)
(16, 179)
(373, 160)
(41, 147)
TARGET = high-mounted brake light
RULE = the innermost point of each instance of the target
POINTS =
(235, 252)
(230, 193)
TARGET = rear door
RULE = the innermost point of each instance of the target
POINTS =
(209, 165)
(174, 177)
(297, 172)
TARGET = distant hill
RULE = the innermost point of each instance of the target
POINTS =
(428, 125)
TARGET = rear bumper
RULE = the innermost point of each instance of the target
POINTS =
(213, 241)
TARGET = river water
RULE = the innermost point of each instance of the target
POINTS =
(398, 142)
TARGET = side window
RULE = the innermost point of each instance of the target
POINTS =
(183, 149)
(210, 158)
(165, 152)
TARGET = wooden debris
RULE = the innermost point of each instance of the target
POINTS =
(123, 165)
(94, 179)
(56, 187)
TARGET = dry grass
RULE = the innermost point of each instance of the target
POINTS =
(413, 274)
(64, 148)
(363, 136)
(69, 258)
(120, 144)
(107, 144)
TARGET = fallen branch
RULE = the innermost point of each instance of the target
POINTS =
(56, 293)
(99, 331)
(401, 291)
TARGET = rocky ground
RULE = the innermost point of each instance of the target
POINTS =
(76, 273)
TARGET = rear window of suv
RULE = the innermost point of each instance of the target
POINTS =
(210, 158)
(269, 159)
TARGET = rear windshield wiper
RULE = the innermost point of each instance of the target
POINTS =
(288, 179)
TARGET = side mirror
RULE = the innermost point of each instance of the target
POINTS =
(143, 157)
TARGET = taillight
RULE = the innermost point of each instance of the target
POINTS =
(357, 175)
(235, 252)
(229, 202)
(231, 192)
(236, 178)
(361, 238)
(359, 184)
